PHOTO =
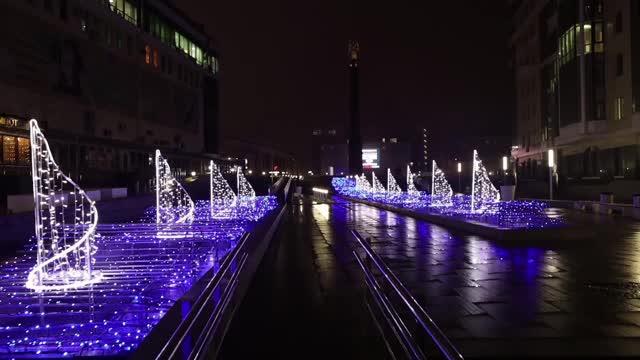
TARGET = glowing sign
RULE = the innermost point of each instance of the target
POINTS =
(370, 158)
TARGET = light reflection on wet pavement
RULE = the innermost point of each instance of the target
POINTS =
(560, 298)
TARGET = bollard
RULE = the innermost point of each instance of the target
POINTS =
(606, 198)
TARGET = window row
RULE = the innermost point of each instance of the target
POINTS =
(15, 150)
(569, 41)
(165, 64)
(172, 37)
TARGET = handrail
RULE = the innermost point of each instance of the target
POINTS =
(447, 349)
(180, 334)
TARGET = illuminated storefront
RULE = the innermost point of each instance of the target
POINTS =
(15, 149)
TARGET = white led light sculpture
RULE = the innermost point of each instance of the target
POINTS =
(173, 203)
(411, 187)
(376, 184)
(245, 190)
(441, 191)
(221, 192)
(362, 184)
(482, 190)
(392, 185)
(65, 224)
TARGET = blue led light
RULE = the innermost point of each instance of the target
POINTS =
(146, 268)
(502, 214)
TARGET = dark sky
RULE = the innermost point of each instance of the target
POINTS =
(442, 64)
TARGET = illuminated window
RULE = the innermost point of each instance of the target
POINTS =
(156, 62)
(599, 38)
(147, 54)
(9, 149)
(619, 108)
(24, 151)
(588, 44)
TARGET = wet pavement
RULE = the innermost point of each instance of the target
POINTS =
(574, 298)
(302, 304)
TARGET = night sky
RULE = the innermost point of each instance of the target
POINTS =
(284, 68)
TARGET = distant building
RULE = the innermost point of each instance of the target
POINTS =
(577, 79)
(108, 81)
(258, 157)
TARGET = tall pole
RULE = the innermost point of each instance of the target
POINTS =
(459, 172)
(355, 138)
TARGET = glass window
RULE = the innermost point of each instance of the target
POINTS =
(587, 38)
(156, 62)
(9, 149)
(24, 151)
(599, 38)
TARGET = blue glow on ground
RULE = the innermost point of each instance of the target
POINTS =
(146, 269)
(501, 214)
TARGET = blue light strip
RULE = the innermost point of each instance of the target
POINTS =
(502, 214)
(146, 268)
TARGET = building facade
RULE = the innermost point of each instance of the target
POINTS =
(577, 88)
(109, 81)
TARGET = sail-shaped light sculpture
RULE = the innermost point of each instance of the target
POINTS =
(376, 185)
(411, 187)
(441, 191)
(221, 193)
(482, 190)
(362, 184)
(392, 185)
(65, 224)
(173, 203)
(245, 190)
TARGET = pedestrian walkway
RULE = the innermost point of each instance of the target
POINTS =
(302, 300)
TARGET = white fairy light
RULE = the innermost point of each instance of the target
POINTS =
(441, 191)
(376, 184)
(392, 185)
(220, 190)
(411, 187)
(65, 239)
(245, 190)
(362, 184)
(173, 203)
(482, 190)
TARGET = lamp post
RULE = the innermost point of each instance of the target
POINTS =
(551, 162)
(459, 171)
(505, 167)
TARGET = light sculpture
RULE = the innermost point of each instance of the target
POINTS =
(65, 224)
(482, 190)
(441, 191)
(392, 185)
(411, 187)
(220, 191)
(362, 184)
(245, 190)
(173, 203)
(377, 187)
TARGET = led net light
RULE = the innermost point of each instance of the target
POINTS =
(441, 191)
(65, 224)
(482, 190)
(411, 187)
(221, 192)
(245, 190)
(392, 185)
(173, 203)
(376, 184)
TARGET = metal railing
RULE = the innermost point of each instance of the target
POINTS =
(200, 325)
(396, 317)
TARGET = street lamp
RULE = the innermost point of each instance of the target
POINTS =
(551, 160)
(505, 167)
(459, 171)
